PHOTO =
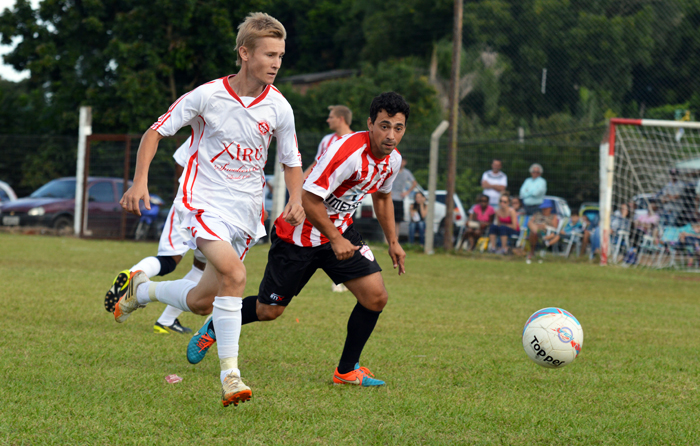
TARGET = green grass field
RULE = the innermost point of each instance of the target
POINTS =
(448, 345)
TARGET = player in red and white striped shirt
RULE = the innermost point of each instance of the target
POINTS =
(220, 197)
(358, 164)
(339, 120)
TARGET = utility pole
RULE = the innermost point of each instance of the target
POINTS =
(454, 119)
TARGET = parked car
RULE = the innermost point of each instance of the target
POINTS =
(6, 193)
(53, 205)
(366, 220)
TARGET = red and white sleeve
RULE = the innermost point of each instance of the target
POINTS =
(182, 113)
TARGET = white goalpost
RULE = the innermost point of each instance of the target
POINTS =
(650, 193)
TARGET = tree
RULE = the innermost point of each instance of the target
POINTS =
(128, 59)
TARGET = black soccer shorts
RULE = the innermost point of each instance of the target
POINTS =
(289, 267)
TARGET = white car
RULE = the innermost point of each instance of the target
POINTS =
(366, 220)
(6, 193)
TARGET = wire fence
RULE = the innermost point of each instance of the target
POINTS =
(570, 161)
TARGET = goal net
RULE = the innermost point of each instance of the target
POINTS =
(650, 194)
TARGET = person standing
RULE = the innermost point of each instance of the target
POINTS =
(339, 121)
(494, 182)
(670, 197)
(533, 190)
(220, 198)
(403, 185)
(363, 163)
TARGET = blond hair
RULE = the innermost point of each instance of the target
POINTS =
(342, 111)
(257, 26)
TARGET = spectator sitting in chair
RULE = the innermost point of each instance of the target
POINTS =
(504, 226)
(517, 206)
(691, 237)
(480, 218)
(538, 225)
(419, 209)
(573, 226)
(590, 236)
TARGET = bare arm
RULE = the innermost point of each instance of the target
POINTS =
(423, 209)
(513, 219)
(293, 211)
(139, 190)
(408, 191)
(486, 185)
(384, 208)
(317, 215)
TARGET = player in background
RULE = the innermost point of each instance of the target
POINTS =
(358, 164)
(171, 249)
(339, 121)
(220, 198)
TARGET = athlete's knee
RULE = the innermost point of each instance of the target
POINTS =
(201, 307)
(200, 301)
(377, 300)
(268, 312)
(202, 310)
(234, 277)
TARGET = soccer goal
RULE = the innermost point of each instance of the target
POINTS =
(649, 194)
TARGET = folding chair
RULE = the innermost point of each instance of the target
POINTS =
(521, 238)
(622, 238)
(556, 231)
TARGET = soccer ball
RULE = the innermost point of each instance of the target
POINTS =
(552, 337)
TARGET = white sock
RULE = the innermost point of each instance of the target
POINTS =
(225, 373)
(227, 324)
(149, 265)
(195, 274)
(142, 294)
(173, 293)
(169, 315)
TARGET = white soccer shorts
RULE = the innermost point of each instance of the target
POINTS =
(208, 226)
(173, 240)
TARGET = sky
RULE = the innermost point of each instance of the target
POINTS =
(6, 71)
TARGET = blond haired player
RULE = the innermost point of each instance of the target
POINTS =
(220, 197)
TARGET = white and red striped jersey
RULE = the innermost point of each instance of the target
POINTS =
(228, 149)
(342, 177)
(325, 144)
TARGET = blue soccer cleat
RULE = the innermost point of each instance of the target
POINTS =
(199, 345)
(361, 376)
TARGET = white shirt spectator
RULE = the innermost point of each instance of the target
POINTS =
(499, 179)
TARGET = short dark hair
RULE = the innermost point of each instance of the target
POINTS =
(391, 102)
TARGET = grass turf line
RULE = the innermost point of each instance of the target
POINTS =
(448, 346)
